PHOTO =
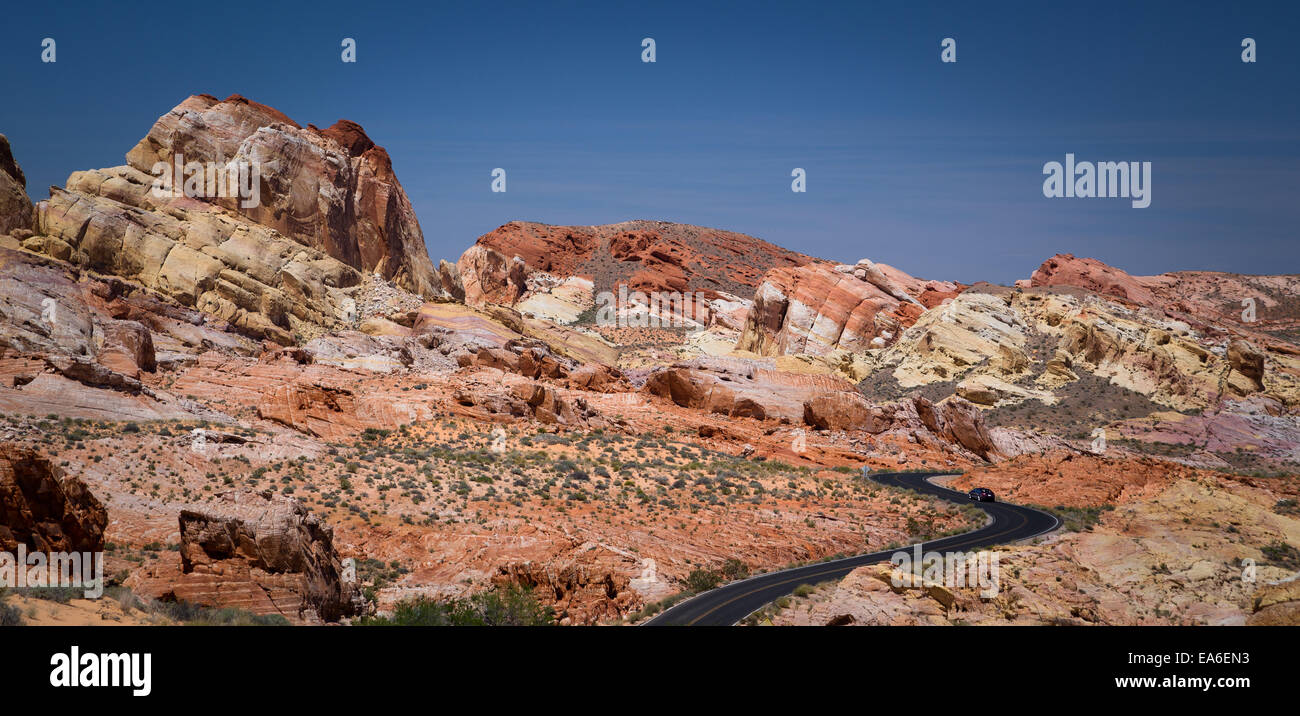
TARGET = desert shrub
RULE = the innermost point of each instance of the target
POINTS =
(508, 606)
(735, 569)
(702, 580)
(196, 615)
(62, 595)
(1282, 555)
(9, 615)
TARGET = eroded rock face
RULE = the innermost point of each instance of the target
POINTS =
(984, 338)
(44, 508)
(264, 553)
(333, 409)
(331, 189)
(15, 207)
(557, 272)
(529, 400)
(645, 255)
(328, 208)
(1248, 361)
(741, 388)
(533, 359)
(843, 411)
(818, 308)
(1276, 604)
(1209, 297)
(957, 420)
(1093, 275)
(586, 590)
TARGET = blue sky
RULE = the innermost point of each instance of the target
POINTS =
(935, 168)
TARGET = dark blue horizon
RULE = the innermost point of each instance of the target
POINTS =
(934, 168)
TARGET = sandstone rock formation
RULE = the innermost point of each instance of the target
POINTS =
(329, 208)
(1209, 297)
(592, 588)
(957, 421)
(1276, 604)
(741, 388)
(817, 308)
(532, 358)
(530, 400)
(556, 272)
(843, 411)
(44, 508)
(1092, 275)
(990, 331)
(266, 554)
(15, 207)
(332, 189)
(647, 255)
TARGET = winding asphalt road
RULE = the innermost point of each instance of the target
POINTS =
(732, 602)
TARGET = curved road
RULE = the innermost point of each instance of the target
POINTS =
(732, 602)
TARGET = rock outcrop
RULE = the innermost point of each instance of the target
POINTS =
(1047, 338)
(818, 308)
(741, 388)
(589, 589)
(845, 411)
(645, 255)
(1092, 275)
(44, 508)
(529, 400)
(1211, 298)
(266, 554)
(1276, 604)
(277, 263)
(533, 359)
(958, 421)
(557, 272)
(15, 207)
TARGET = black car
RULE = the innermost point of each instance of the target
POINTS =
(981, 494)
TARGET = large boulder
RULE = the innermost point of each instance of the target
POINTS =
(264, 553)
(1276, 604)
(1247, 361)
(957, 420)
(127, 347)
(838, 411)
(44, 508)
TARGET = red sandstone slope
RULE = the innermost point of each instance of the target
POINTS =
(1210, 297)
(646, 255)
